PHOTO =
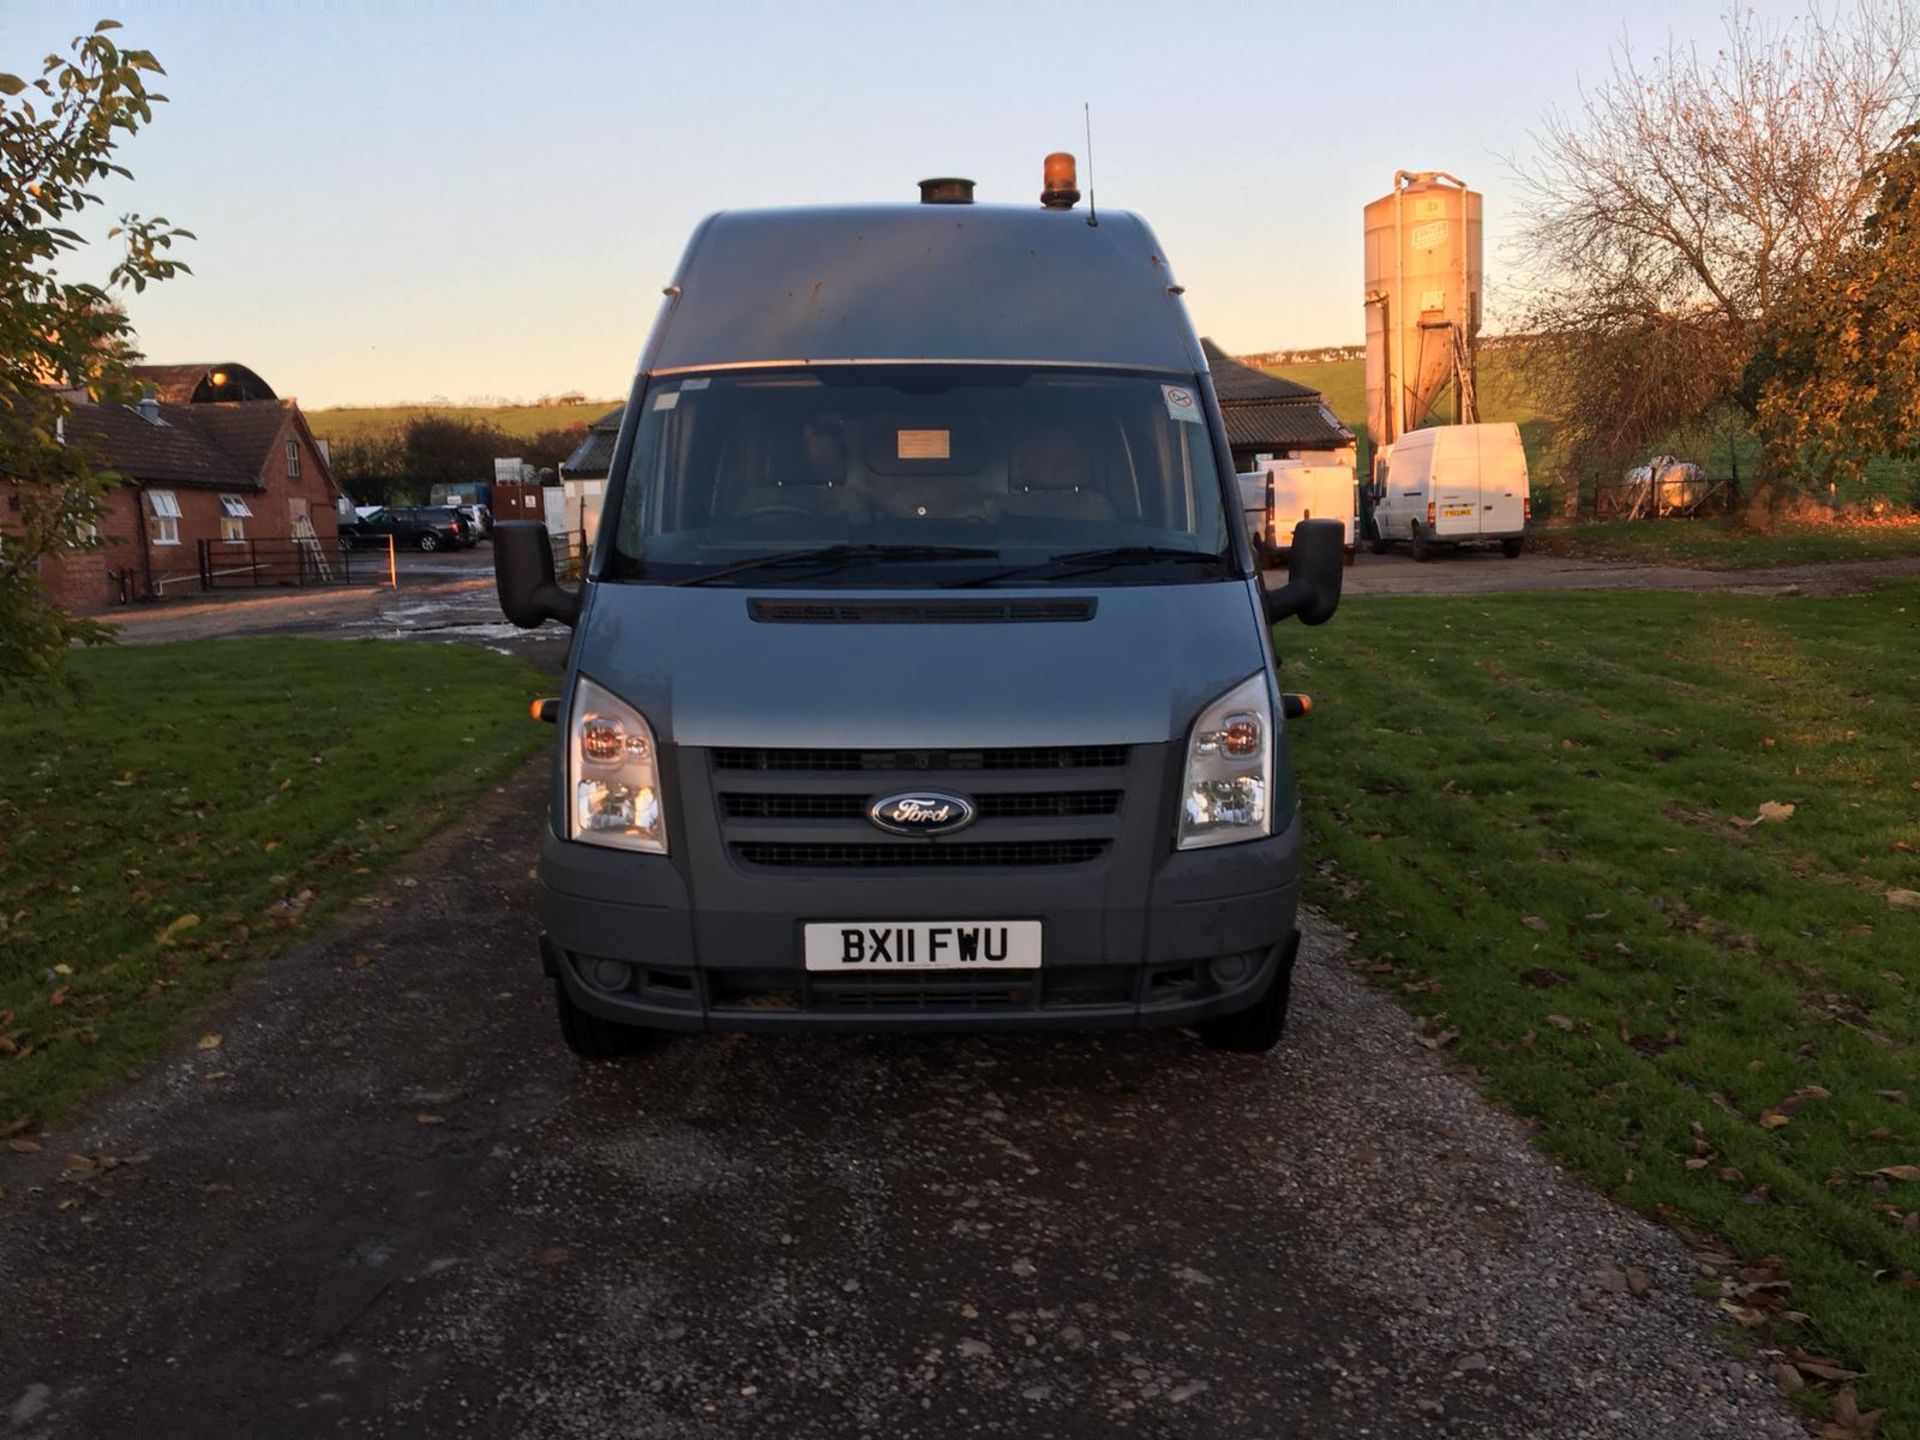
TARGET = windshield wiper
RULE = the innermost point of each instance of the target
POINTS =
(1076, 562)
(837, 555)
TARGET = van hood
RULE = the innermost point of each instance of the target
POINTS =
(706, 672)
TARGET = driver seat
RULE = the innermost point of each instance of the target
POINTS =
(810, 478)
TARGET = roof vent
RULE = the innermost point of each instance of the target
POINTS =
(149, 409)
(946, 190)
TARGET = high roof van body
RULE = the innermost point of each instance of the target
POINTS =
(921, 676)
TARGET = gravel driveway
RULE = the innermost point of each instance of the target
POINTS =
(390, 1203)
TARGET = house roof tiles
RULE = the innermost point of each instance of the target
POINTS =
(218, 447)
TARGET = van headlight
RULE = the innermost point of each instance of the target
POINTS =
(1227, 795)
(613, 774)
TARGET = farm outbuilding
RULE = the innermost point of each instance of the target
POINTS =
(593, 457)
(1267, 417)
(215, 383)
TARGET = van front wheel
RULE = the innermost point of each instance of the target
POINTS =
(592, 1038)
(1258, 1028)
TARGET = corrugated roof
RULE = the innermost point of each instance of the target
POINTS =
(594, 455)
(194, 384)
(1233, 381)
(1283, 425)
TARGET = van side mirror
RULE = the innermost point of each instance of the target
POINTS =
(523, 574)
(1312, 591)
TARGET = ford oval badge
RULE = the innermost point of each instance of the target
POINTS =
(922, 812)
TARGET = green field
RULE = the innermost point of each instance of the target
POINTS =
(1648, 865)
(1723, 545)
(193, 808)
(517, 420)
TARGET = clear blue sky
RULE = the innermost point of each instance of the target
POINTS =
(403, 200)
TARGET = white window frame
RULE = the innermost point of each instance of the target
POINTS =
(234, 514)
(164, 507)
(293, 458)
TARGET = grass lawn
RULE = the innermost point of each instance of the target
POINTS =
(1718, 545)
(1538, 814)
(195, 807)
(520, 421)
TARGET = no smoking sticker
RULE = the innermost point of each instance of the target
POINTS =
(1182, 403)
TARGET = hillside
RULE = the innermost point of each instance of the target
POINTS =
(1503, 395)
(343, 424)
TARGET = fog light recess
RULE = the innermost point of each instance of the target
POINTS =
(1231, 969)
(609, 974)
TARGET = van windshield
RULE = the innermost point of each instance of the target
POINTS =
(911, 475)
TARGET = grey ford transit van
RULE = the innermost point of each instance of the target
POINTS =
(921, 676)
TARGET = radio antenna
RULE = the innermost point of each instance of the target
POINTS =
(1093, 215)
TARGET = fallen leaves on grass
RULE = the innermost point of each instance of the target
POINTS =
(1848, 1422)
(1769, 810)
(209, 1041)
(1534, 922)
(1905, 899)
(1907, 1174)
(1780, 1114)
(176, 927)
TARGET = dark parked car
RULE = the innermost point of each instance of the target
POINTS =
(426, 527)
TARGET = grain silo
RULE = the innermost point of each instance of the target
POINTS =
(1423, 269)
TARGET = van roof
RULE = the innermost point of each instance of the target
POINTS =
(923, 282)
(1442, 434)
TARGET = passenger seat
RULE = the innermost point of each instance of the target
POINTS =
(1052, 478)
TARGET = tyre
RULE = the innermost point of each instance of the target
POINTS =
(1376, 544)
(429, 541)
(1422, 551)
(592, 1038)
(1346, 555)
(1512, 548)
(1258, 1028)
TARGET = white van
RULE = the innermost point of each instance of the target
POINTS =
(1280, 493)
(1452, 485)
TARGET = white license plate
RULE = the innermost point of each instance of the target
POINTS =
(924, 945)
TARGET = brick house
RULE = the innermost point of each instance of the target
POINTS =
(240, 474)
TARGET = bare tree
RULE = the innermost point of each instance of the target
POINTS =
(1668, 213)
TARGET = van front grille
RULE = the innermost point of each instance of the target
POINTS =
(1048, 803)
(793, 810)
(931, 855)
(1065, 757)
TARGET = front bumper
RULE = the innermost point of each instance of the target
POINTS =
(1202, 938)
